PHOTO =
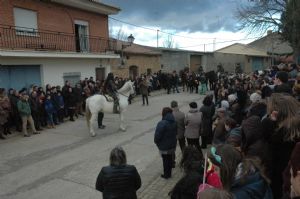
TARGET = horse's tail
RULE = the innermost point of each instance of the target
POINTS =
(88, 113)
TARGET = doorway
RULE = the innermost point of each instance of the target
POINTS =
(81, 38)
(133, 72)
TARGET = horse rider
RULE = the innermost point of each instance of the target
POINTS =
(111, 89)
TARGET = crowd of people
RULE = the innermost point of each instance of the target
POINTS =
(252, 123)
(249, 124)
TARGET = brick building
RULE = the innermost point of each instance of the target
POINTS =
(50, 41)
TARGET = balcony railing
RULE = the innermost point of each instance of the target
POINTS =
(16, 38)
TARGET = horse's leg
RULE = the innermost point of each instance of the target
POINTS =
(122, 127)
(92, 120)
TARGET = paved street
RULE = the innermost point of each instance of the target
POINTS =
(64, 162)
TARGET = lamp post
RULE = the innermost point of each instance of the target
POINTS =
(130, 40)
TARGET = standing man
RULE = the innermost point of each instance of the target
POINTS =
(144, 90)
(179, 119)
(25, 113)
(165, 140)
(175, 81)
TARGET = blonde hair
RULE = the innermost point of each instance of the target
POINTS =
(288, 117)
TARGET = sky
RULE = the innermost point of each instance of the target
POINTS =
(201, 25)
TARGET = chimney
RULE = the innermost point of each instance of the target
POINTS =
(269, 32)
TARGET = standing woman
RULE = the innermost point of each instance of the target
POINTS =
(193, 120)
(284, 117)
(118, 180)
(165, 139)
(208, 111)
(5, 109)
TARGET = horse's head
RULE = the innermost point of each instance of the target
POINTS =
(128, 88)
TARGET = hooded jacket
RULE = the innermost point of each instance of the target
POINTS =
(165, 133)
(253, 186)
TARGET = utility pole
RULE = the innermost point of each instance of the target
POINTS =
(204, 47)
(157, 38)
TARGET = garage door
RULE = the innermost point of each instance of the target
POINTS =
(17, 77)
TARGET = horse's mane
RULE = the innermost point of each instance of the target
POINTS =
(125, 88)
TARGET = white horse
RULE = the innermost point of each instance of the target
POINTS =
(98, 103)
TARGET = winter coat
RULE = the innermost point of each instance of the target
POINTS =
(220, 133)
(78, 94)
(252, 187)
(24, 108)
(49, 107)
(5, 109)
(143, 88)
(253, 142)
(70, 100)
(234, 137)
(60, 101)
(281, 151)
(207, 115)
(118, 182)
(33, 104)
(165, 133)
(283, 88)
(193, 120)
(179, 118)
(187, 186)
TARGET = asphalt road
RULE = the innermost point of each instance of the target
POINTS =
(64, 162)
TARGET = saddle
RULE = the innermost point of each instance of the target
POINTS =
(108, 98)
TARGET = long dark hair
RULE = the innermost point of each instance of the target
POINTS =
(117, 157)
(191, 158)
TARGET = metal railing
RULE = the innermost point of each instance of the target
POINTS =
(19, 38)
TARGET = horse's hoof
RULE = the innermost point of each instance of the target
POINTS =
(93, 135)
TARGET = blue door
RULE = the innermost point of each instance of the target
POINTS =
(18, 77)
(257, 63)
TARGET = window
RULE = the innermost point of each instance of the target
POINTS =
(25, 21)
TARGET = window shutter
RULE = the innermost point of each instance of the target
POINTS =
(25, 20)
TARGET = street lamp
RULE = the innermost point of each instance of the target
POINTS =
(130, 40)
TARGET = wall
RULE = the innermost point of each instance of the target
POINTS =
(208, 62)
(53, 69)
(229, 61)
(143, 62)
(175, 60)
(55, 17)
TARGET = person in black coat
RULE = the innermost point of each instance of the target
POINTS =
(165, 139)
(118, 180)
(70, 102)
(283, 127)
(208, 111)
(192, 163)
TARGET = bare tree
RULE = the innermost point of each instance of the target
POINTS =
(259, 16)
(169, 42)
(119, 34)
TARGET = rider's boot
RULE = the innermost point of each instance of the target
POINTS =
(116, 107)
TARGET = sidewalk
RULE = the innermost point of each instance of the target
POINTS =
(157, 187)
